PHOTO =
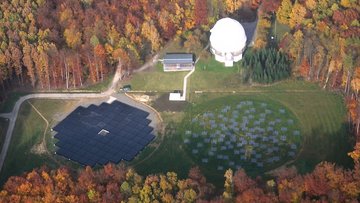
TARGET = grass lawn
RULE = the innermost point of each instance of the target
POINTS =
(3, 128)
(321, 115)
(28, 132)
(212, 75)
(157, 80)
(170, 156)
(209, 75)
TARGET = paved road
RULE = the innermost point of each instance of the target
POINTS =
(110, 92)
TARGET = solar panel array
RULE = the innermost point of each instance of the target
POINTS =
(104, 133)
(245, 135)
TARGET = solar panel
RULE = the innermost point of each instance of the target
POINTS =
(79, 138)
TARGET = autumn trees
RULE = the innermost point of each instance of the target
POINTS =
(327, 183)
(323, 42)
(69, 43)
(110, 184)
(326, 34)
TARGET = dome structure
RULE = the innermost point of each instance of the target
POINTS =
(228, 41)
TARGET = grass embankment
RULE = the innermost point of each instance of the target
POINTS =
(321, 116)
(28, 133)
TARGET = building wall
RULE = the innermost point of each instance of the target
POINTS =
(227, 57)
(178, 67)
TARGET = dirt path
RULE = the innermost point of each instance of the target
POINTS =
(148, 64)
(41, 147)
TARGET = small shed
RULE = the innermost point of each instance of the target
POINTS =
(177, 95)
(178, 62)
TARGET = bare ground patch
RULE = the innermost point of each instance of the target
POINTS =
(39, 149)
(162, 104)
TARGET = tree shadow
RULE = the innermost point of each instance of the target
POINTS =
(319, 146)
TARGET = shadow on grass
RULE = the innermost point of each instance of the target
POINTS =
(170, 156)
(319, 147)
(10, 101)
(3, 128)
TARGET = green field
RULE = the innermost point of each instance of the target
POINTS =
(28, 132)
(157, 80)
(321, 116)
(214, 76)
(243, 132)
(207, 76)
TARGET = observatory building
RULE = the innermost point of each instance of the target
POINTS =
(228, 41)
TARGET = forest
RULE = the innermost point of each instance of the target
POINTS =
(266, 66)
(68, 44)
(73, 43)
(327, 183)
(323, 42)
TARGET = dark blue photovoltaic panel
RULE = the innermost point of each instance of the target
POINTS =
(103, 134)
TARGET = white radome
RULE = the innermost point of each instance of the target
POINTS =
(228, 41)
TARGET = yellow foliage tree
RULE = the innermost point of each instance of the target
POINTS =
(284, 11)
(72, 37)
(355, 82)
(232, 5)
(149, 31)
(310, 4)
(297, 15)
(296, 44)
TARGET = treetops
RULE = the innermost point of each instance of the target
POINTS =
(118, 183)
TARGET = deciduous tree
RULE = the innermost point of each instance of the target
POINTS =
(297, 15)
(284, 11)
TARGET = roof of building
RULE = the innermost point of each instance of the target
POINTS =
(228, 35)
(172, 58)
(176, 97)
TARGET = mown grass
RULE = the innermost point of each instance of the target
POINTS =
(232, 100)
(170, 156)
(321, 115)
(28, 132)
(157, 80)
(212, 75)
(209, 75)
